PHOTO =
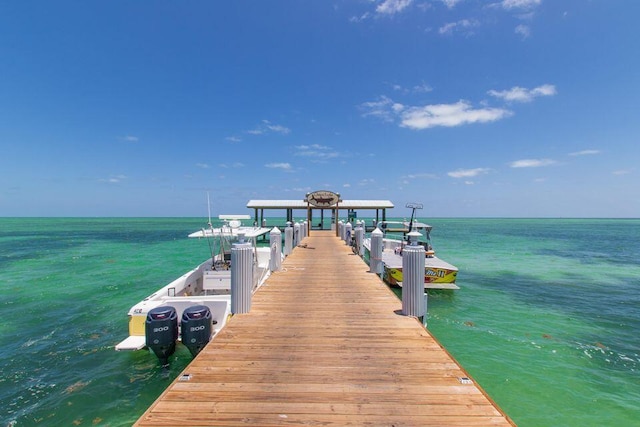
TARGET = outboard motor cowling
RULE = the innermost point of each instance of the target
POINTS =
(196, 326)
(161, 332)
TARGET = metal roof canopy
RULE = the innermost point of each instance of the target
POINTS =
(290, 205)
(301, 204)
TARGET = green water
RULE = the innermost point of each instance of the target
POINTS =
(546, 320)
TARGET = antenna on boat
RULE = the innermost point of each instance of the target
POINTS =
(209, 210)
(413, 207)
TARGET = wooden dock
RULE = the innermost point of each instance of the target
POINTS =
(325, 344)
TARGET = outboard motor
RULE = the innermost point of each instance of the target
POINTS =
(196, 328)
(161, 332)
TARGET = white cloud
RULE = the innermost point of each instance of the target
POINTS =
(267, 127)
(234, 165)
(449, 115)
(621, 172)
(233, 139)
(468, 173)
(451, 3)
(317, 151)
(531, 163)
(114, 179)
(428, 116)
(584, 153)
(465, 26)
(283, 166)
(423, 175)
(383, 109)
(391, 7)
(519, 4)
(129, 138)
(520, 94)
(421, 88)
(523, 30)
(202, 165)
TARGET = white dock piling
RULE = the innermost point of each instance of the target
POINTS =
(347, 233)
(296, 234)
(341, 230)
(275, 242)
(413, 277)
(375, 257)
(241, 277)
(359, 235)
(288, 239)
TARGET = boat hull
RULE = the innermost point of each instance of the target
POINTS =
(394, 276)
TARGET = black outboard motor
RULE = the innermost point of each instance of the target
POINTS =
(196, 328)
(161, 332)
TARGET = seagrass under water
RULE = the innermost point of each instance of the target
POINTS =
(546, 318)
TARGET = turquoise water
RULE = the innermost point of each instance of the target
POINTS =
(547, 319)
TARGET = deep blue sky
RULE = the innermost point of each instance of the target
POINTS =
(474, 108)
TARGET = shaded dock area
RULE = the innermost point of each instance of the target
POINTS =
(325, 344)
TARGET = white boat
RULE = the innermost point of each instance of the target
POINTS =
(208, 285)
(438, 274)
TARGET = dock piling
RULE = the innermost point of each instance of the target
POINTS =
(275, 242)
(241, 277)
(288, 239)
(413, 303)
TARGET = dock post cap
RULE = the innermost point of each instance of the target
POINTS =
(413, 237)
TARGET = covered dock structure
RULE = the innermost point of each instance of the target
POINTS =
(346, 208)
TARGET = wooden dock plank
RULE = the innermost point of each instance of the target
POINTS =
(325, 343)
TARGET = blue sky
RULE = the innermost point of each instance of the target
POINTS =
(516, 108)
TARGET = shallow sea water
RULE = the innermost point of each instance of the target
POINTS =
(546, 320)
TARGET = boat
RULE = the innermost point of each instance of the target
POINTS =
(438, 274)
(203, 293)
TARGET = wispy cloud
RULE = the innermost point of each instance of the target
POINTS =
(233, 139)
(421, 88)
(468, 173)
(114, 179)
(266, 127)
(129, 138)
(532, 163)
(316, 151)
(202, 165)
(384, 108)
(621, 172)
(451, 3)
(584, 153)
(519, 4)
(523, 30)
(384, 8)
(422, 175)
(434, 115)
(282, 166)
(391, 7)
(520, 94)
(465, 26)
(232, 165)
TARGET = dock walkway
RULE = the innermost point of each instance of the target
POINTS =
(325, 344)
